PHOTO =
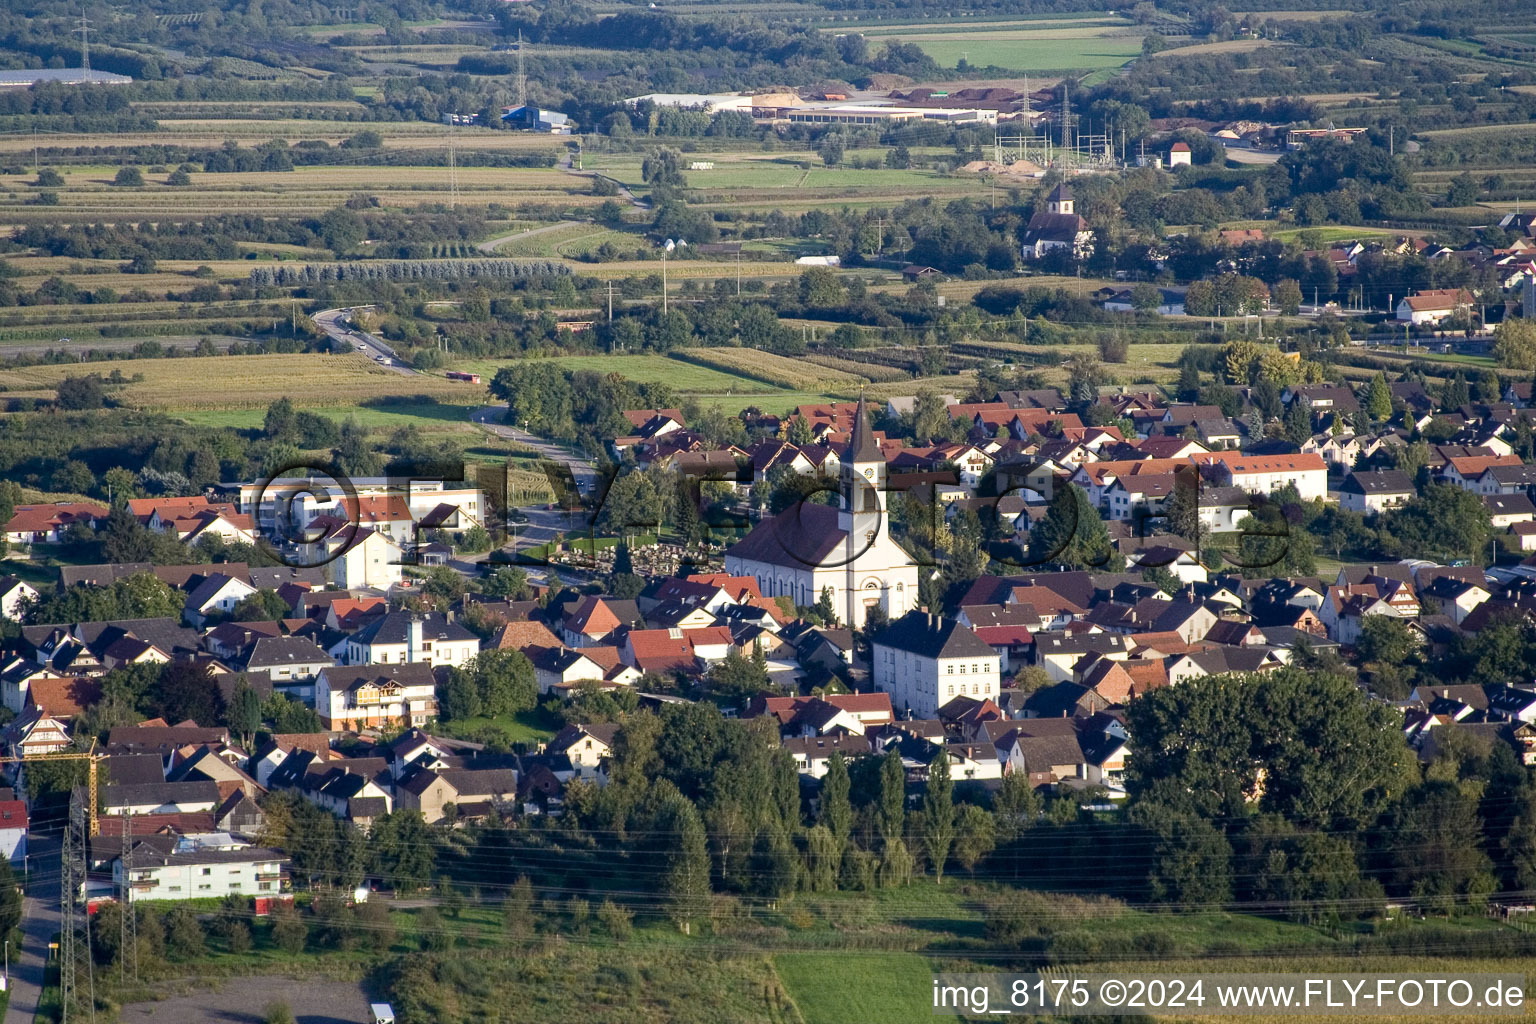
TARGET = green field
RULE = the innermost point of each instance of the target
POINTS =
(857, 986)
(709, 386)
(1076, 49)
(684, 377)
(427, 414)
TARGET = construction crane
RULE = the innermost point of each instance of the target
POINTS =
(91, 757)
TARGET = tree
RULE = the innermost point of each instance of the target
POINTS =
(1287, 295)
(975, 836)
(457, 696)
(1298, 422)
(773, 864)
(406, 849)
(186, 691)
(184, 938)
(243, 715)
(289, 931)
(1327, 756)
(1514, 343)
(1519, 844)
(836, 811)
(1182, 509)
(1146, 297)
(1386, 639)
(1444, 523)
(831, 148)
(686, 878)
(737, 676)
(263, 606)
(938, 814)
(1436, 848)
(10, 899)
(77, 393)
(1190, 862)
(129, 177)
(504, 682)
(1084, 379)
(891, 808)
(1072, 534)
(1378, 398)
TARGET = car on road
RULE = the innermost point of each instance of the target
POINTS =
(517, 515)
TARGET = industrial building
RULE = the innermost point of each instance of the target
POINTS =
(60, 76)
(530, 118)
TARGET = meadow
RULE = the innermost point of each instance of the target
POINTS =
(1033, 50)
(777, 370)
(225, 382)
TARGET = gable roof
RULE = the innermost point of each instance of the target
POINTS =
(930, 636)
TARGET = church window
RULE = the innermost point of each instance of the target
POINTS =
(951, 690)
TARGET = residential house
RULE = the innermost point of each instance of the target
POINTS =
(1432, 306)
(923, 661)
(408, 637)
(170, 867)
(373, 696)
(1377, 490)
(15, 595)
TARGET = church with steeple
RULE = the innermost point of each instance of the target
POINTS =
(1058, 226)
(811, 547)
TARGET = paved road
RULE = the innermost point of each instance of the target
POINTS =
(489, 418)
(40, 923)
(333, 323)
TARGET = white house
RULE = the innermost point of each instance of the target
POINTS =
(176, 868)
(403, 637)
(1375, 491)
(1433, 306)
(1262, 474)
(15, 594)
(216, 595)
(372, 696)
(924, 661)
(13, 830)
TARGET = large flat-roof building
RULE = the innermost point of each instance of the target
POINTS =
(61, 76)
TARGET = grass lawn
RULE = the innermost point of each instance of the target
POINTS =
(31, 572)
(856, 985)
(528, 727)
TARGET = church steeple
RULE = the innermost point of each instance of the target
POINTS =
(1060, 200)
(863, 472)
(862, 447)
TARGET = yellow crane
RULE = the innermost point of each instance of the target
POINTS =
(90, 757)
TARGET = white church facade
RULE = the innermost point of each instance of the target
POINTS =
(810, 547)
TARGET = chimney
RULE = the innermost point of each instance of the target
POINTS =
(413, 640)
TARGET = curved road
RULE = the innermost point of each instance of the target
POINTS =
(337, 324)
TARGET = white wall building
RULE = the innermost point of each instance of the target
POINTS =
(924, 661)
(187, 871)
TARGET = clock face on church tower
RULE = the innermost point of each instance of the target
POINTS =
(869, 474)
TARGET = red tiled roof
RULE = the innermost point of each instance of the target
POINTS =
(518, 636)
(43, 518)
(63, 698)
